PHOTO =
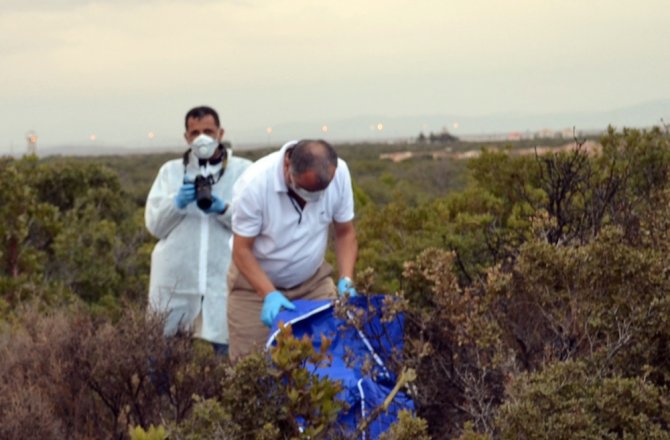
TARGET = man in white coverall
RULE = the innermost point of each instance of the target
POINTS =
(188, 210)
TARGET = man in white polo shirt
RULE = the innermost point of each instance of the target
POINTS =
(283, 206)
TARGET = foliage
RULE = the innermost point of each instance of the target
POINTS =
(153, 433)
(69, 230)
(534, 290)
(568, 401)
(387, 235)
(407, 427)
(68, 375)
(605, 301)
(469, 433)
(27, 222)
(540, 260)
(311, 398)
(455, 344)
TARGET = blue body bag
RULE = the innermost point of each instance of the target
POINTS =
(375, 341)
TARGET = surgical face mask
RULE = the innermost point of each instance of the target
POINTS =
(204, 146)
(307, 196)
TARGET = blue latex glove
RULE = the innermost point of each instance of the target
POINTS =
(346, 287)
(217, 207)
(272, 304)
(185, 195)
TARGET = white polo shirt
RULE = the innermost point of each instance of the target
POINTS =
(290, 245)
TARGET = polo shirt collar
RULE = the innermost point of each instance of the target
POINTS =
(280, 182)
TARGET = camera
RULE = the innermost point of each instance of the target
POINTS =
(203, 191)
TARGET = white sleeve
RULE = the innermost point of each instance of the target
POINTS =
(247, 208)
(161, 214)
(235, 169)
(344, 209)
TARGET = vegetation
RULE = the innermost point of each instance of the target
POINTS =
(535, 291)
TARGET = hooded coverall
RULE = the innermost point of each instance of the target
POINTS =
(190, 261)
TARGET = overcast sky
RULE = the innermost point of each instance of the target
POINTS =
(121, 69)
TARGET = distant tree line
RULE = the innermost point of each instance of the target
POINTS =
(436, 138)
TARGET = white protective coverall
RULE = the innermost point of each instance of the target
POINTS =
(190, 262)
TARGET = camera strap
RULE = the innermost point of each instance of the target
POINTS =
(223, 160)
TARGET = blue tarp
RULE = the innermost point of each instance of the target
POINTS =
(376, 341)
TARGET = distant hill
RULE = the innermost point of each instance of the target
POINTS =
(366, 127)
(377, 127)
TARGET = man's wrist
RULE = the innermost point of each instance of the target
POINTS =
(268, 293)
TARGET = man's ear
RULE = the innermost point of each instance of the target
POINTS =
(287, 157)
(287, 162)
(221, 132)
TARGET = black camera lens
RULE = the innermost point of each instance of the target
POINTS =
(203, 192)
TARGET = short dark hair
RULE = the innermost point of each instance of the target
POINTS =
(199, 113)
(314, 155)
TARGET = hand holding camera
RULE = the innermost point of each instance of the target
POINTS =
(186, 195)
(218, 206)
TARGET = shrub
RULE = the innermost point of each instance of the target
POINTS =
(73, 376)
(567, 400)
(407, 427)
(453, 341)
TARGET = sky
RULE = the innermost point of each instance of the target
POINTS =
(124, 72)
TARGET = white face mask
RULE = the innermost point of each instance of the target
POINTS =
(204, 146)
(307, 196)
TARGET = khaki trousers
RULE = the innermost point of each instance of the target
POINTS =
(246, 331)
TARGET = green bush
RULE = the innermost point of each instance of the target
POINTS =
(407, 427)
(567, 400)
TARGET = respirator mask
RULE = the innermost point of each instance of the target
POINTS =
(204, 146)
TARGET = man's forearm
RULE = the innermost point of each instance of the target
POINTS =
(248, 265)
(346, 250)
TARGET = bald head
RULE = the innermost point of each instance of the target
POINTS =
(316, 157)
